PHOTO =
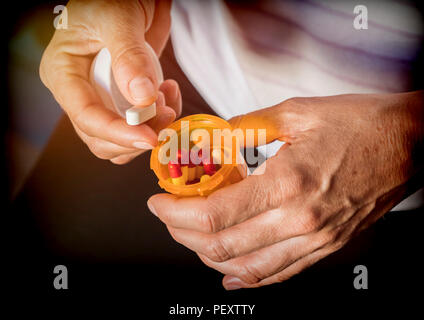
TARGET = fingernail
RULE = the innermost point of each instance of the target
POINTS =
(151, 208)
(142, 145)
(141, 89)
(233, 283)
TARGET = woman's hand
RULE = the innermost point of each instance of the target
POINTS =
(347, 161)
(122, 27)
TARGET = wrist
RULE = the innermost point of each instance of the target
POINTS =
(408, 119)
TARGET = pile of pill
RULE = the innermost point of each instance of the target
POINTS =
(190, 173)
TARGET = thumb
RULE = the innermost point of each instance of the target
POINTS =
(273, 119)
(133, 61)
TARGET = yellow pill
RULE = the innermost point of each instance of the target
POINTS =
(191, 173)
(178, 181)
(199, 172)
(184, 170)
(205, 178)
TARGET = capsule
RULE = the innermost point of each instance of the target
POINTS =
(200, 155)
(191, 172)
(193, 169)
(183, 156)
(209, 167)
(184, 170)
(187, 167)
(205, 178)
(199, 171)
(176, 174)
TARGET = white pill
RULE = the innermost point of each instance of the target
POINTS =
(137, 115)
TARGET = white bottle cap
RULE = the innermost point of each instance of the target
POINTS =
(101, 77)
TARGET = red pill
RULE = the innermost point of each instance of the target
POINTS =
(174, 170)
(183, 157)
(200, 155)
(209, 167)
(190, 162)
(195, 159)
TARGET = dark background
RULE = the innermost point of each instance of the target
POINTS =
(91, 216)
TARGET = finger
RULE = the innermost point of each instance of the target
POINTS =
(125, 158)
(84, 107)
(158, 33)
(280, 121)
(164, 117)
(251, 235)
(268, 261)
(133, 62)
(206, 214)
(232, 204)
(233, 283)
(172, 94)
(160, 102)
(332, 239)
(103, 149)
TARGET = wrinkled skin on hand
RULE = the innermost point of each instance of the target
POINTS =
(348, 160)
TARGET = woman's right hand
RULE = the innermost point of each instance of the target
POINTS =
(123, 27)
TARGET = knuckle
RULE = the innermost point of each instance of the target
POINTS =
(327, 238)
(211, 220)
(125, 158)
(81, 119)
(174, 235)
(282, 277)
(130, 54)
(311, 220)
(208, 223)
(101, 156)
(293, 101)
(337, 237)
(217, 250)
(293, 106)
(296, 104)
(299, 181)
(287, 274)
(338, 244)
(166, 217)
(250, 274)
(98, 150)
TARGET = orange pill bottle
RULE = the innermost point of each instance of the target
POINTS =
(184, 132)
